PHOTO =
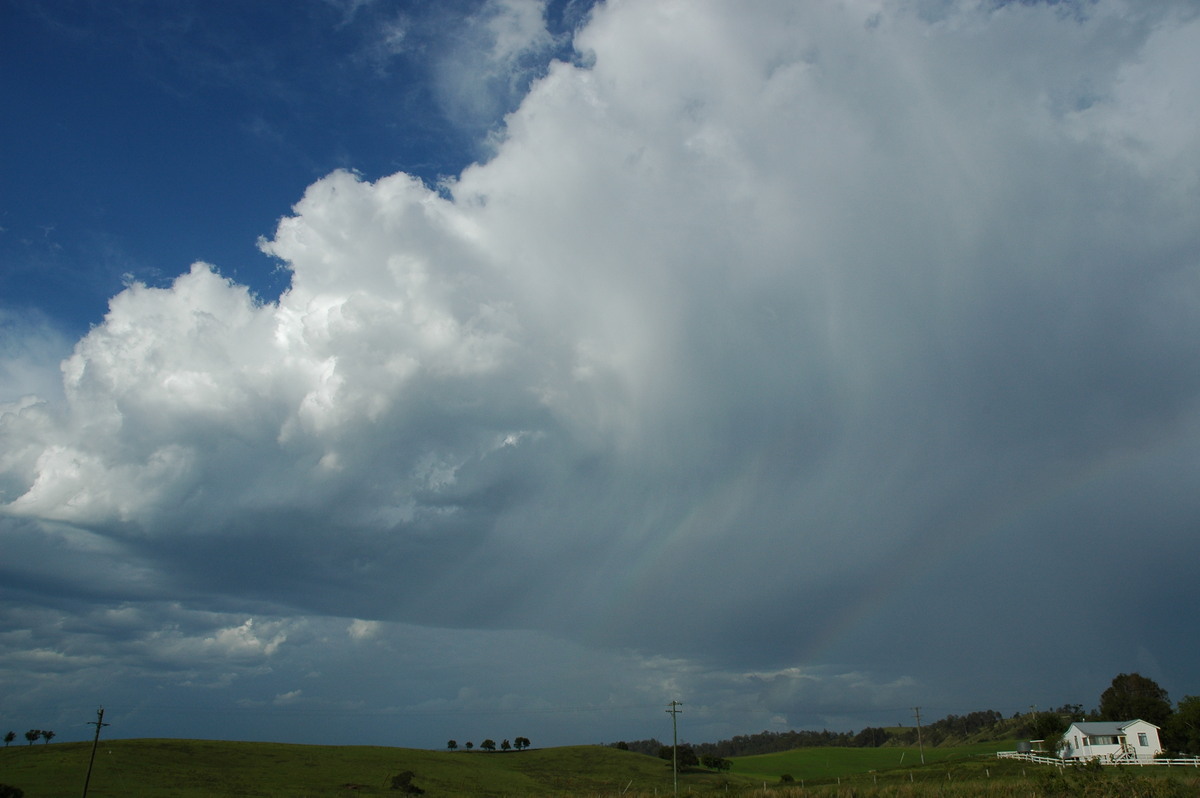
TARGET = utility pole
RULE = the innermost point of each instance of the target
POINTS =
(99, 724)
(917, 712)
(674, 712)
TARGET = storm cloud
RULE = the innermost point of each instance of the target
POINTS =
(801, 362)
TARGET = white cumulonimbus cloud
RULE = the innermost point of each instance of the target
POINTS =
(827, 290)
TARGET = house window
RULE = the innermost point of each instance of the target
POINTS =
(1143, 741)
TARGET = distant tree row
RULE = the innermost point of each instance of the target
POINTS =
(768, 742)
(520, 743)
(1130, 697)
(685, 756)
(33, 735)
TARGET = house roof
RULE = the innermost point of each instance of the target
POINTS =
(1103, 728)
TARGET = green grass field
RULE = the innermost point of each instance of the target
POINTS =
(209, 769)
(963, 771)
(816, 764)
(215, 769)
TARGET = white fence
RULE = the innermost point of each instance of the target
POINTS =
(1191, 761)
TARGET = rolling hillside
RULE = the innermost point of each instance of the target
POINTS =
(206, 769)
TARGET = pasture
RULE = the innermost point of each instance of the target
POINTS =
(818, 764)
(215, 769)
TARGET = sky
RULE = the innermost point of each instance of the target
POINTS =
(383, 372)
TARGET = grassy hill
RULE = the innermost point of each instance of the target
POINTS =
(215, 769)
(816, 764)
(208, 769)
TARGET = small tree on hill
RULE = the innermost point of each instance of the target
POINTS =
(470, 745)
(521, 743)
(685, 755)
(32, 735)
(452, 745)
(488, 745)
(47, 735)
(8, 738)
(505, 745)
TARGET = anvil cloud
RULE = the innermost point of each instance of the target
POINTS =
(801, 362)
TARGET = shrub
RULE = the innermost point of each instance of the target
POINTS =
(403, 783)
(1052, 782)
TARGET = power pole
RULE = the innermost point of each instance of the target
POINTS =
(99, 724)
(674, 712)
(917, 712)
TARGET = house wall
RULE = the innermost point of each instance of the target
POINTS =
(1078, 748)
(1153, 745)
(1133, 737)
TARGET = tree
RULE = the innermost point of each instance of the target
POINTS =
(1134, 697)
(470, 745)
(47, 735)
(8, 738)
(870, 737)
(1071, 712)
(715, 763)
(452, 745)
(1182, 732)
(32, 735)
(488, 745)
(1048, 726)
(521, 742)
(685, 755)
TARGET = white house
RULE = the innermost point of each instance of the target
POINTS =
(1115, 741)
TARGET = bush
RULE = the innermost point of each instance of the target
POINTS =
(403, 783)
(7, 791)
(1052, 782)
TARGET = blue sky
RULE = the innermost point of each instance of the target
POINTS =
(107, 100)
(384, 372)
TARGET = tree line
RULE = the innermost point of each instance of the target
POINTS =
(519, 743)
(33, 735)
(1131, 696)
